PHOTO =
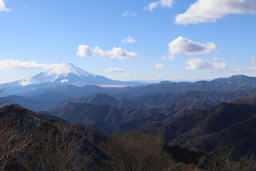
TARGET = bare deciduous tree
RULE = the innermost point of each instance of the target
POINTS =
(10, 143)
(140, 152)
(58, 150)
(224, 162)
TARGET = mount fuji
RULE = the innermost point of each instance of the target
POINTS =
(68, 74)
(65, 74)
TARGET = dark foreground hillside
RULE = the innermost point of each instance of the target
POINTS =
(30, 141)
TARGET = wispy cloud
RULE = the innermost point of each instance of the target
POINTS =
(184, 46)
(160, 3)
(208, 65)
(15, 64)
(159, 66)
(210, 10)
(3, 7)
(253, 61)
(115, 70)
(115, 53)
(129, 14)
(249, 69)
(129, 40)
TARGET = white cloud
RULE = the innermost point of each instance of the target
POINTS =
(249, 69)
(84, 50)
(129, 14)
(184, 46)
(210, 10)
(168, 58)
(115, 53)
(160, 3)
(208, 65)
(238, 70)
(159, 66)
(3, 7)
(253, 61)
(125, 14)
(114, 70)
(15, 64)
(129, 40)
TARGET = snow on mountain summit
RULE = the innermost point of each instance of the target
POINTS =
(61, 76)
(62, 73)
(66, 69)
(67, 73)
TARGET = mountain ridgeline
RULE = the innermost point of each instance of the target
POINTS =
(197, 127)
(200, 125)
(49, 95)
(203, 120)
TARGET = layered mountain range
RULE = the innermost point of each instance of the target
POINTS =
(143, 96)
(194, 119)
(192, 125)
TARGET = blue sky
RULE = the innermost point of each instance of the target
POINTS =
(199, 41)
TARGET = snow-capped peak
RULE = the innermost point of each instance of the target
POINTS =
(66, 69)
(62, 73)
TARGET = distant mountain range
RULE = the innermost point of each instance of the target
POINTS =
(46, 96)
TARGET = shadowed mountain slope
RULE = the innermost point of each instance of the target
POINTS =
(49, 140)
(225, 125)
(109, 119)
